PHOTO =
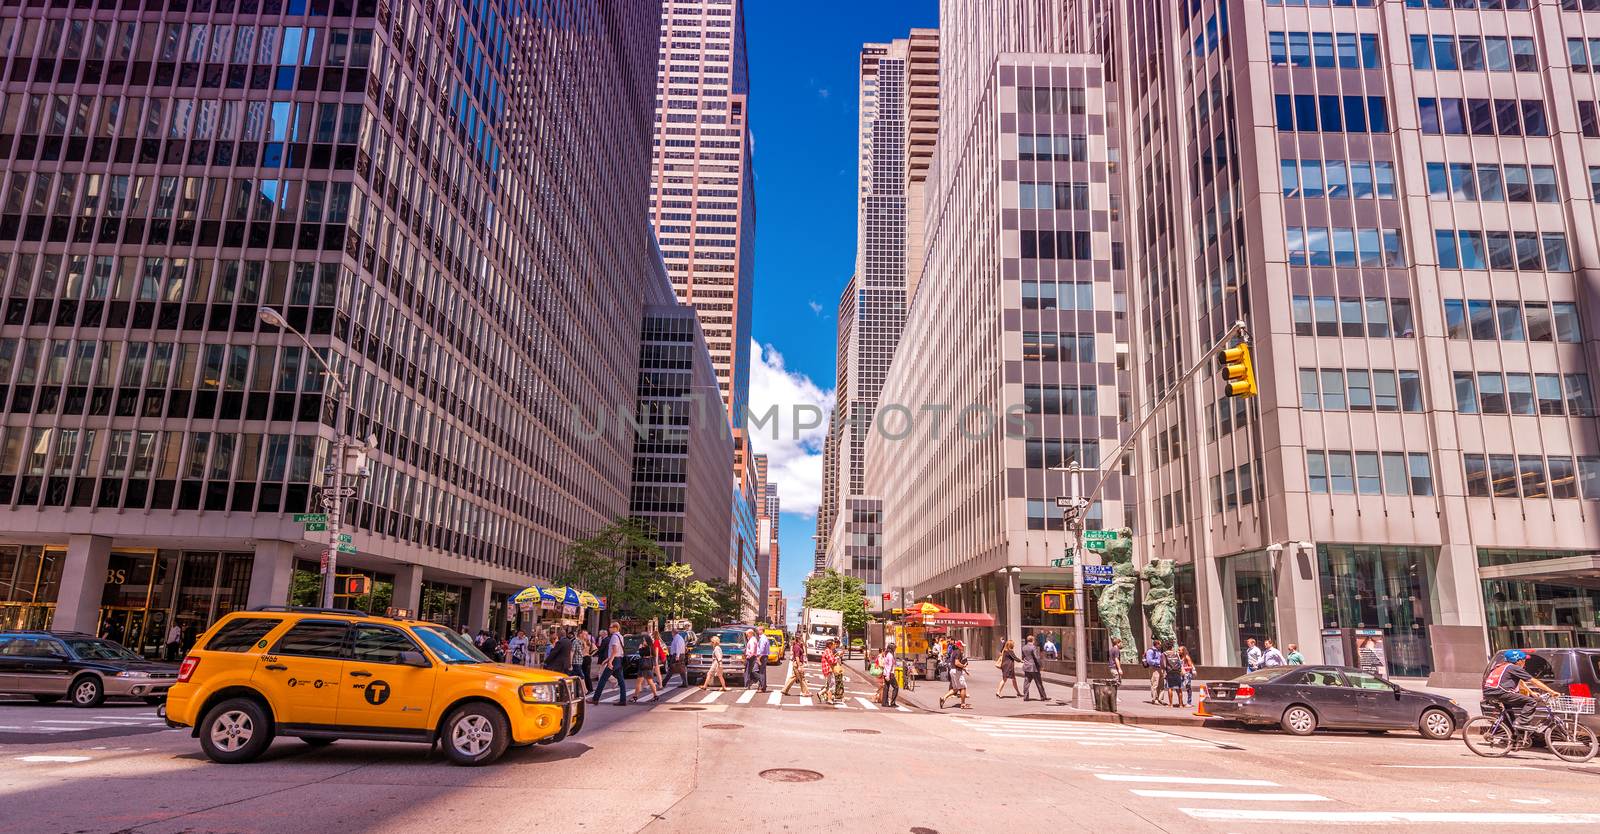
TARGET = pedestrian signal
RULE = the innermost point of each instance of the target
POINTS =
(1237, 371)
(1057, 602)
(353, 585)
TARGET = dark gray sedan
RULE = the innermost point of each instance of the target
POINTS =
(1302, 699)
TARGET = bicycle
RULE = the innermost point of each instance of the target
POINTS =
(1555, 720)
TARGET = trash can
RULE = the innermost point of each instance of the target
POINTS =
(1105, 695)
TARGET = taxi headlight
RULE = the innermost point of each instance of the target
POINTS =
(133, 674)
(537, 693)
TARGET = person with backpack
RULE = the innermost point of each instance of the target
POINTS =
(1172, 670)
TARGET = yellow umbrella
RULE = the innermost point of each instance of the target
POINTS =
(588, 600)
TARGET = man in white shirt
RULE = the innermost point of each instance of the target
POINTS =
(174, 642)
(1050, 648)
(763, 648)
(751, 646)
(1252, 655)
(676, 659)
(1272, 657)
(611, 664)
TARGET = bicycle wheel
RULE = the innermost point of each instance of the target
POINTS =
(1571, 742)
(1487, 737)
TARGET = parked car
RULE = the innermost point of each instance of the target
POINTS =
(732, 655)
(1575, 672)
(51, 665)
(1302, 699)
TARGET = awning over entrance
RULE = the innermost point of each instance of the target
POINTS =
(953, 619)
(1582, 570)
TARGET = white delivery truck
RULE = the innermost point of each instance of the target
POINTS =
(819, 625)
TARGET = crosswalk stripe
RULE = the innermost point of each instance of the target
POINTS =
(746, 696)
(681, 695)
(1182, 780)
(775, 699)
(1232, 796)
(1520, 818)
(805, 700)
(900, 708)
(866, 703)
(841, 705)
(711, 697)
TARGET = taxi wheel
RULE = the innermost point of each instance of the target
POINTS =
(235, 731)
(87, 691)
(476, 734)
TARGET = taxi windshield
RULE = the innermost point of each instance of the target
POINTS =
(449, 646)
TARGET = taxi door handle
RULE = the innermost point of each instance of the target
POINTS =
(276, 667)
(360, 674)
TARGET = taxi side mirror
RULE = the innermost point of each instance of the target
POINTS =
(414, 658)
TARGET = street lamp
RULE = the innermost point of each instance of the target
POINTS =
(356, 464)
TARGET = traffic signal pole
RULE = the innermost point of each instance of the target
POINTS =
(1240, 375)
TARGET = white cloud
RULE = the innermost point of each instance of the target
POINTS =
(816, 309)
(792, 445)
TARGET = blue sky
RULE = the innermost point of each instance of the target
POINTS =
(804, 63)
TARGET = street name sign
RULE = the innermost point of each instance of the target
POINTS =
(1097, 574)
(311, 518)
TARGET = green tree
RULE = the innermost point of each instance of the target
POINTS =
(598, 563)
(725, 605)
(839, 592)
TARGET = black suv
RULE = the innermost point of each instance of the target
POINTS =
(1575, 672)
(51, 665)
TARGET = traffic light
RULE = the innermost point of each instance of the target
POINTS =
(352, 585)
(1057, 602)
(1238, 371)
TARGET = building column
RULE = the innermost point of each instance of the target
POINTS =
(1013, 606)
(478, 604)
(1459, 638)
(270, 573)
(1215, 637)
(1299, 601)
(408, 589)
(83, 584)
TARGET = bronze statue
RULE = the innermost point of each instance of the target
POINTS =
(1114, 600)
(1160, 601)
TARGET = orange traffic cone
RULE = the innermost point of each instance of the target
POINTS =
(1200, 705)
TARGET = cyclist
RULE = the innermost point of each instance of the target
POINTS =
(1508, 683)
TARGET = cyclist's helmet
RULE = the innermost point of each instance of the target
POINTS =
(1516, 656)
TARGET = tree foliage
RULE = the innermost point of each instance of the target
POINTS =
(727, 603)
(598, 562)
(832, 589)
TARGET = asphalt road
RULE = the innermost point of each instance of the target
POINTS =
(746, 762)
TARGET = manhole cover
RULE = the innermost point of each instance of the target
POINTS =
(920, 830)
(687, 709)
(790, 774)
(724, 726)
(860, 731)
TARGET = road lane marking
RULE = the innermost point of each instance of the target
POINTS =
(746, 696)
(1232, 796)
(1183, 780)
(1520, 818)
(775, 699)
(1455, 767)
(682, 695)
(59, 759)
(900, 708)
(866, 703)
(711, 697)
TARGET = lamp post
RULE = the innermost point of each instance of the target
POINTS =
(1074, 507)
(332, 497)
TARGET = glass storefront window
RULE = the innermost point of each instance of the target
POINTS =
(30, 579)
(1058, 628)
(1250, 601)
(1555, 609)
(1188, 611)
(1375, 586)
(305, 589)
(443, 604)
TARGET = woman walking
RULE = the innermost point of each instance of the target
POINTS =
(1008, 669)
(1188, 676)
(958, 675)
(716, 667)
(586, 652)
(647, 669)
(519, 648)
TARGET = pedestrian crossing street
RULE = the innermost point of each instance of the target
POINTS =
(773, 698)
(1231, 800)
(1080, 733)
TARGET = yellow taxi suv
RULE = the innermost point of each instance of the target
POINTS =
(778, 646)
(321, 675)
